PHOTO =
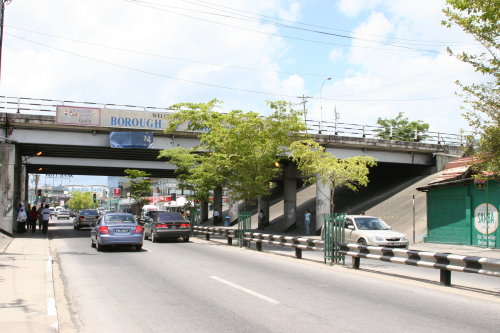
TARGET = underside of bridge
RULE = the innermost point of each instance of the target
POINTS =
(107, 157)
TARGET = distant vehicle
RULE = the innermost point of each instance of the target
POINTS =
(52, 211)
(167, 225)
(116, 229)
(62, 214)
(85, 218)
(72, 213)
(370, 230)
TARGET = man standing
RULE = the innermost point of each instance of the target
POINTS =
(45, 218)
(307, 221)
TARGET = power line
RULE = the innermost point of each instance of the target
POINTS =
(216, 85)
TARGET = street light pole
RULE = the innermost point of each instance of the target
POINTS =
(321, 105)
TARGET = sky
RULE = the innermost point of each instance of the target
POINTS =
(364, 59)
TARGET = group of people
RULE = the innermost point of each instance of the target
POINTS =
(28, 217)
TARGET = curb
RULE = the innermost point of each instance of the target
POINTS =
(4, 242)
(51, 299)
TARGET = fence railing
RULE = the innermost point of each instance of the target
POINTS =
(26, 105)
(445, 262)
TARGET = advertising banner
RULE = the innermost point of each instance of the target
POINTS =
(71, 115)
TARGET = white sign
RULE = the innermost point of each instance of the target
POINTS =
(486, 218)
(70, 115)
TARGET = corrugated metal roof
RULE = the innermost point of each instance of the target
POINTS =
(454, 170)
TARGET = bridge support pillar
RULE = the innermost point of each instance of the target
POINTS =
(263, 204)
(322, 203)
(290, 196)
(218, 202)
(8, 183)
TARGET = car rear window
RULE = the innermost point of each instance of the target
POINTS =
(89, 212)
(169, 216)
(110, 219)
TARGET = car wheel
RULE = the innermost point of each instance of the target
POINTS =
(185, 239)
(138, 247)
(92, 243)
(76, 227)
(146, 236)
(98, 247)
(153, 238)
(362, 241)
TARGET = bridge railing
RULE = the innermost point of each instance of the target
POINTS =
(25, 105)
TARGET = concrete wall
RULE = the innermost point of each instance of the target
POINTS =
(7, 186)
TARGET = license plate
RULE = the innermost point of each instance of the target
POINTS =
(394, 244)
(121, 230)
(173, 227)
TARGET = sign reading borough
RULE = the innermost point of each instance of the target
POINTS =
(103, 117)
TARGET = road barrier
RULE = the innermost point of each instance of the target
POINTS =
(445, 262)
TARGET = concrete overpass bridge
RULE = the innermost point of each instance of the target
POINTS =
(77, 138)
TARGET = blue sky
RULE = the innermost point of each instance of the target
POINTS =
(383, 56)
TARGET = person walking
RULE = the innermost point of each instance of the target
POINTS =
(33, 217)
(307, 221)
(216, 216)
(21, 219)
(45, 218)
(262, 218)
(40, 220)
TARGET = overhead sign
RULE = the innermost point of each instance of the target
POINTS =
(71, 115)
(117, 192)
(131, 139)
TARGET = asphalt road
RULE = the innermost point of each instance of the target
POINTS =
(204, 286)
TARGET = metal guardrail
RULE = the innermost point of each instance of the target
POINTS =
(26, 105)
(445, 262)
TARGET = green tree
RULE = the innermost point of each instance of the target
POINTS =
(317, 164)
(140, 187)
(480, 19)
(400, 128)
(81, 200)
(237, 150)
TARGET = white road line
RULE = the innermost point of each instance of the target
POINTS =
(248, 291)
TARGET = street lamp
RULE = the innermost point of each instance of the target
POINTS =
(321, 104)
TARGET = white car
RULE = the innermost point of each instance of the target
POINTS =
(62, 214)
(370, 230)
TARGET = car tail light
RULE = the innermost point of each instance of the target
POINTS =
(138, 229)
(81, 217)
(161, 225)
(104, 230)
(186, 225)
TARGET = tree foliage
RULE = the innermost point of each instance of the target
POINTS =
(81, 200)
(140, 186)
(317, 164)
(400, 128)
(237, 150)
(480, 19)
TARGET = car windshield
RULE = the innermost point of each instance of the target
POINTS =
(118, 218)
(371, 223)
(169, 216)
(89, 212)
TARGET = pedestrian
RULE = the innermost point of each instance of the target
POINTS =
(33, 217)
(40, 220)
(21, 219)
(45, 218)
(307, 221)
(262, 219)
(216, 216)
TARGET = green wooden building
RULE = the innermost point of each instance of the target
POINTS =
(463, 211)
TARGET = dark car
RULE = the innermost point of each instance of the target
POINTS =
(85, 218)
(167, 225)
(116, 229)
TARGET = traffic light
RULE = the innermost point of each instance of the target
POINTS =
(94, 196)
(39, 194)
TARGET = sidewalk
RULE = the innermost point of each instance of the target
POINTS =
(27, 301)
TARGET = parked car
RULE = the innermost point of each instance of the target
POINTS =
(52, 211)
(164, 225)
(116, 229)
(371, 230)
(62, 214)
(85, 218)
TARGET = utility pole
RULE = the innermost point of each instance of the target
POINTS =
(304, 101)
(2, 12)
